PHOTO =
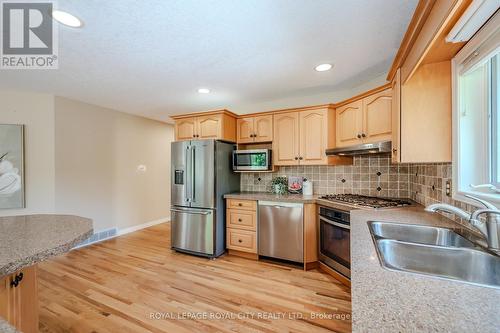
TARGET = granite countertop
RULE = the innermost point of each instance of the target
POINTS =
(264, 196)
(299, 198)
(389, 301)
(26, 240)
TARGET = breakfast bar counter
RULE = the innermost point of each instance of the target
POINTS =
(25, 241)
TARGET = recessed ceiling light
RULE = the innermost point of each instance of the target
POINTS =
(323, 67)
(66, 19)
(204, 91)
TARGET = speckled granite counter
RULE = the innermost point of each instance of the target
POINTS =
(5, 327)
(26, 240)
(388, 301)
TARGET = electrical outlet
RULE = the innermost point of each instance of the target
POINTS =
(448, 188)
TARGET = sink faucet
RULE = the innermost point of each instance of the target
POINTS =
(489, 229)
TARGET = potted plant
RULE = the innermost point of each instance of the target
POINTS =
(279, 185)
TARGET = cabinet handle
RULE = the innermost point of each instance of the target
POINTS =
(394, 150)
(359, 136)
(363, 135)
(19, 277)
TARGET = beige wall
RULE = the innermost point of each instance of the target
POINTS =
(97, 152)
(36, 112)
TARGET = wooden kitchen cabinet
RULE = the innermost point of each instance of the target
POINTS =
(255, 129)
(219, 124)
(349, 124)
(210, 127)
(365, 120)
(377, 117)
(19, 304)
(186, 129)
(286, 139)
(302, 138)
(313, 138)
(424, 132)
(241, 227)
(244, 130)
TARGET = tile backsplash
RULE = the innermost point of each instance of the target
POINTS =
(373, 175)
(370, 175)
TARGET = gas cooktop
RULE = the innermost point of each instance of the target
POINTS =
(366, 201)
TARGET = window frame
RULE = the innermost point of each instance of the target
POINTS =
(457, 193)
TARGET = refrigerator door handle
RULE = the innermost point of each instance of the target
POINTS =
(188, 174)
(190, 211)
(193, 159)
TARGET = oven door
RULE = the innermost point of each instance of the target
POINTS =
(334, 245)
(256, 159)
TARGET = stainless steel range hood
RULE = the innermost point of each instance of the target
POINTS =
(362, 149)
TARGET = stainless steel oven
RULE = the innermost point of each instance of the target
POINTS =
(334, 239)
(252, 160)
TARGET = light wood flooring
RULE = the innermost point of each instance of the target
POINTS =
(120, 284)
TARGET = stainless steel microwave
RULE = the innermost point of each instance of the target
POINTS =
(252, 160)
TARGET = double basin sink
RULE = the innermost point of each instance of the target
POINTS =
(434, 251)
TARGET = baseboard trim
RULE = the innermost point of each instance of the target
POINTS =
(124, 231)
(128, 230)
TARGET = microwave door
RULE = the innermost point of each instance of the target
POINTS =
(180, 174)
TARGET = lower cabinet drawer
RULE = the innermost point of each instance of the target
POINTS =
(241, 219)
(242, 240)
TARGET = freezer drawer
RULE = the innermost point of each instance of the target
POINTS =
(281, 231)
(192, 230)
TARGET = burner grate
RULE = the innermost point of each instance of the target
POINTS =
(367, 201)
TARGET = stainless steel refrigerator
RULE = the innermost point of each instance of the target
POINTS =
(201, 174)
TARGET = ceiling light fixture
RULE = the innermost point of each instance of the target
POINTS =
(66, 19)
(323, 67)
(204, 91)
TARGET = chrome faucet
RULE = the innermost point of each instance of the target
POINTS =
(489, 229)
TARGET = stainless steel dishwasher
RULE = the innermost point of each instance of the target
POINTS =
(281, 230)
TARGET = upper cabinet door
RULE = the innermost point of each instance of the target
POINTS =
(286, 139)
(209, 127)
(263, 128)
(185, 129)
(313, 137)
(245, 130)
(377, 117)
(349, 124)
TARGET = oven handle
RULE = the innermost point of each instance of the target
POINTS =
(340, 225)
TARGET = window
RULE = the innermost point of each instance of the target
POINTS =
(476, 116)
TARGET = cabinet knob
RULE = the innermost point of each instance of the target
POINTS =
(359, 136)
(240, 241)
(363, 135)
(194, 135)
(394, 150)
(300, 158)
(240, 204)
(240, 220)
(296, 158)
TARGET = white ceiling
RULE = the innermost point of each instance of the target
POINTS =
(150, 57)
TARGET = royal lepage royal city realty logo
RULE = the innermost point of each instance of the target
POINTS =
(29, 37)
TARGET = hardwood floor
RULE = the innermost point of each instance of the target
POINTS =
(135, 283)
